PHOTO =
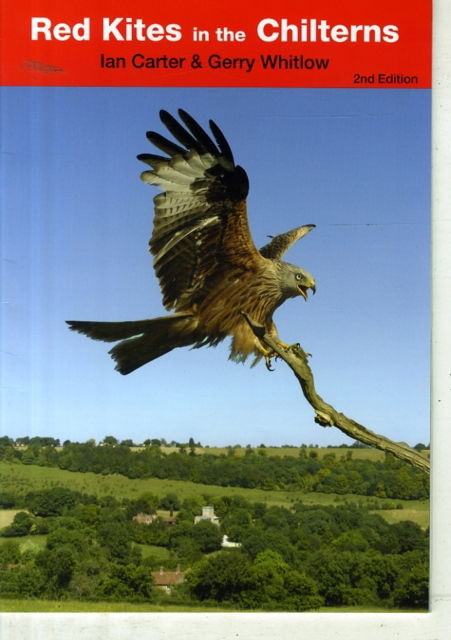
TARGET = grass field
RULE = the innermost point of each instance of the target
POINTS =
(75, 606)
(7, 516)
(417, 511)
(25, 478)
(161, 554)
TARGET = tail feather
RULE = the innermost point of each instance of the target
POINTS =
(141, 341)
(110, 331)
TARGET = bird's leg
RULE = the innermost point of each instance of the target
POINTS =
(266, 353)
(275, 336)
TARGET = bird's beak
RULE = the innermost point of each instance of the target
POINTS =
(303, 290)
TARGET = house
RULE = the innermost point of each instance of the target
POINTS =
(208, 513)
(166, 580)
(145, 518)
(228, 544)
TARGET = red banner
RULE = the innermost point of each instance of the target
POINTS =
(354, 43)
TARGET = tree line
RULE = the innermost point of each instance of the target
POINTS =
(389, 478)
(289, 559)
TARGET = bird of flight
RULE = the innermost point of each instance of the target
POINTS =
(208, 267)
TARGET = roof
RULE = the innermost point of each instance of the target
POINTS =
(162, 578)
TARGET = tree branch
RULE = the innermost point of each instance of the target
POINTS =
(326, 415)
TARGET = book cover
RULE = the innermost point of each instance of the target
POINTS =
(263, 120)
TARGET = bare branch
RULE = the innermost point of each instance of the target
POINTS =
(326, 415)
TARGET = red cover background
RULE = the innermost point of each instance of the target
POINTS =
(77, 63)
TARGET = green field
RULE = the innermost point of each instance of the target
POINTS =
(161, 554)
(75, 606)
(416, 510)
(19, 478)
(7, 516)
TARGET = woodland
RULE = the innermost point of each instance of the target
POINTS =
(64, 544)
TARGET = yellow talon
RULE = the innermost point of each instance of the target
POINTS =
(266, 353)
(283, 345)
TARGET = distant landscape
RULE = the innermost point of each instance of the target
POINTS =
(158, 526)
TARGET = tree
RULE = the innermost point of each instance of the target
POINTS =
(275, 585)
(410, 536)
(77, 540)
(170, 502)
(191, 444)
(413, 588)
(221, 576)
(145, 503)
(18, 582)
(207, 536)
(52, 502)
(301, 592)
(351, 541)
(7, 500)
(190, 507)
(181, 531)
(155, 533)
(87, 513)
(116, 537)
(255, 541)
(266, 578)
(29, 456)
(329, 570)
(20, 526)
(58, 565)
(236, 520)
(9, 553)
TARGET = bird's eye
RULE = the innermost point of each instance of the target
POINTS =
(298, 276)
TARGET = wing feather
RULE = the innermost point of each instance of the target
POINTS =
(200, 225)
(280, 244)
(163, 143)
(222, 142)
(206, 143)
(179, 133)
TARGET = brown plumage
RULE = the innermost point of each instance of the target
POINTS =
(206, 262)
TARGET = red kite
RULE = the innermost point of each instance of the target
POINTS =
(208, 267)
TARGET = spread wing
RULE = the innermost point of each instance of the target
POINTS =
(281, 243)
(200, 223)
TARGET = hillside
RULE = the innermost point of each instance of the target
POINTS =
(25, 478)
(73, 536)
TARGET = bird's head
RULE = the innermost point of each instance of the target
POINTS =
(295, 281)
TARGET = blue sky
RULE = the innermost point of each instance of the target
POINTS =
(76, 222)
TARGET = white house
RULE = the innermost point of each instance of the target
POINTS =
(228, 544)
(208, 513)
